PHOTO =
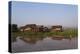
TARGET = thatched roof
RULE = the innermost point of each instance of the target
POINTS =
(57, 26)
(29, 25)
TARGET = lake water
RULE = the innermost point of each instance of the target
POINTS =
(43, 44)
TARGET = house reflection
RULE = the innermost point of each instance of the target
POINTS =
(57, 37)
(31, 40)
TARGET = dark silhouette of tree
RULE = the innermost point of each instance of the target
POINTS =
(14, 28)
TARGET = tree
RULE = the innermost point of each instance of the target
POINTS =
(14, 28)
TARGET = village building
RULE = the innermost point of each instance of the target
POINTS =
(40, 28)
(56, 28)
(46, 29)
(34, 28)
(30, 27)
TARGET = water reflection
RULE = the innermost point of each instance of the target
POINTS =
(34, 39)
(40, 43)
(13, 38)
(31, 40)
(57, 37)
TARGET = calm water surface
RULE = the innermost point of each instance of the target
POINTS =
(43, 44)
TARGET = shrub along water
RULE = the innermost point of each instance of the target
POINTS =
(66, 33)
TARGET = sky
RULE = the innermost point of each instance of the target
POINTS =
(44, 14)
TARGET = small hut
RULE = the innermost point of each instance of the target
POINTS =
(56, 28)
(30, 27)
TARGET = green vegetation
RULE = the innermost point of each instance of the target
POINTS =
(66, 33)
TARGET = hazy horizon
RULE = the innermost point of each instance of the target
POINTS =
(44, 14)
